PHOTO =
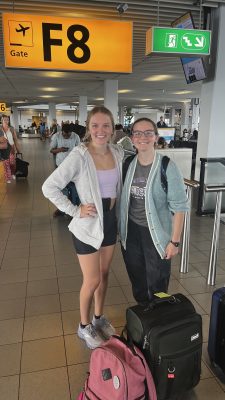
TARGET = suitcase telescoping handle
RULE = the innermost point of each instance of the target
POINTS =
(19, 154)
(157, 302)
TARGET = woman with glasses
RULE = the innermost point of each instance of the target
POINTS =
(151, 218)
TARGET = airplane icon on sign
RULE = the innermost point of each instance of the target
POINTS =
(23, 29)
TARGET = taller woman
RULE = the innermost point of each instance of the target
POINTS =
(10, 134)
(95, 168)
(151, 217)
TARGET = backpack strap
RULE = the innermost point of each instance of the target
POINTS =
(126, 164)
(148, 376)
(150, 385)
(164, 164)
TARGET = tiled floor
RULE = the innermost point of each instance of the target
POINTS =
(41, 357)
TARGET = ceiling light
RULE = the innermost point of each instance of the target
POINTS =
(19, 101)
(46, 96)
(53, 74)
(50, 89)
(100, 98)
(183, 92)
(155, 78)
(145, 99)
(124, 91)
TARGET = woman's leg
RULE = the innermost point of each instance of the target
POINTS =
(90, 266)
(158, 270)
(12, 161)
(7, 170)
(135, 263)
(106, 254)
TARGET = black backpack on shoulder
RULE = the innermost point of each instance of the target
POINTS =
(164, 164)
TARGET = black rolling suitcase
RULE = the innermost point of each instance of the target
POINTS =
(169, 333)
(21, 166)
(216, 342)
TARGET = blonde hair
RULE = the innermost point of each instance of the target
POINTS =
(96, 110)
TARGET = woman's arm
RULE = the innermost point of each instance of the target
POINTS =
(178, 221)
(57, 181)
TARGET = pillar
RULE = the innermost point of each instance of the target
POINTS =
(211, 138)
(14, 118)
(51, 113)
(195, 114)
(111, 97)
(121, 115)
(185, 116)
(172, 116)
(82, 110)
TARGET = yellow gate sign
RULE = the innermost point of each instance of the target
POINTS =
(44, 42)
(2, 107)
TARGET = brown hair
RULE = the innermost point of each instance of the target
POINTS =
(146, 120)
(96, 110)
(5, 116)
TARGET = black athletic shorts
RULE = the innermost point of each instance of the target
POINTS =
(110, 230)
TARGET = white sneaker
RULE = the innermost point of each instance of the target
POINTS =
(8, 181)
(14, 177)
(103, 326)
(90, 336)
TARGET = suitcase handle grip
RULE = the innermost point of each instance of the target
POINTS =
(19, 154)
(155, 303)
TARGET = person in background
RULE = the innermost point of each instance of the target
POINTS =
(184, 138)
(54, 128)
(33, 125)
(96, 169)
(119, 133)
(10, 134)
(61, 145)
(151, 219)
(161, 143)
(127, 145)
(79, 129)
(194, 136)
(161, 123)
(42, 130)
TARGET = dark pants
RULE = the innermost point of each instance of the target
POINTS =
(148, 273)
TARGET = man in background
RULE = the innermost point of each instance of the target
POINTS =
(161, 123)
(61, 145)
(79, 129)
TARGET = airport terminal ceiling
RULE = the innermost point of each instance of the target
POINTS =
(166, 85)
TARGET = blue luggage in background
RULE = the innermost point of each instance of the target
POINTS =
(216, 343)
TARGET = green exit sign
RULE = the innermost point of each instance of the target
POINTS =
(177, 41)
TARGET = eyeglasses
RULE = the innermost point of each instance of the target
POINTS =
(148, 133)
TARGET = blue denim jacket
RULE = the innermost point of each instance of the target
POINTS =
(160, 206)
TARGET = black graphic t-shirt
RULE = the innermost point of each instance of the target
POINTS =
(137, 211)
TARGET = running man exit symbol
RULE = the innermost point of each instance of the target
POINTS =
(171, 40)
(20, 33)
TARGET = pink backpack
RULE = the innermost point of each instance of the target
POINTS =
(118, 371)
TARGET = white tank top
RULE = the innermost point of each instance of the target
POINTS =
(8, 135)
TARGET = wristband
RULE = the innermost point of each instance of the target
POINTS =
(176, 244)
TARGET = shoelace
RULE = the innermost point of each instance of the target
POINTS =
(92, 331)
(105, 322)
